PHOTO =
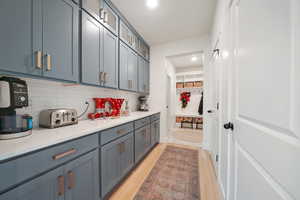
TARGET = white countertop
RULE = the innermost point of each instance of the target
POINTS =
(42, 138)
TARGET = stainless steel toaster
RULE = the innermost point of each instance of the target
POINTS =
(54, 118)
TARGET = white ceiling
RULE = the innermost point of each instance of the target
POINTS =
(171, 20)
(186, 60)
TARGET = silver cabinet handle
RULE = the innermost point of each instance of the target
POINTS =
(105, 77)
(64, 154)
(101, 13)
(101, 77)
(38, 59)
(61, 185)
(105, 17)
(48, 62)
(71, 180)
(129, 85)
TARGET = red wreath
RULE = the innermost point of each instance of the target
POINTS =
(185, 98)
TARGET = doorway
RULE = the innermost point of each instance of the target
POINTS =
(186, 127)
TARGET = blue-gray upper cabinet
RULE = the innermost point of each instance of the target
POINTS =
(93, 7)
(101, 11)
(91, 44)
(60, 39)
(127, 36)
(123, 66)
(117, 158)
(110, 59)
(21, 36)
(99, 54)
(109, 18)
(82, 178)
(128, 67)
(143, 75)
(40, 38)
(44, 187)
(133, 70)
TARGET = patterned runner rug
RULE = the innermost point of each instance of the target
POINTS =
(175, 176)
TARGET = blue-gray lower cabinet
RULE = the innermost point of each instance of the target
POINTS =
(155, 132)
(44, 187)
(20, 35)
(82, 178)
(117, 158)
(142, 142)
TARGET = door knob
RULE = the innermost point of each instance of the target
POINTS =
(210, 111)
(229, 125)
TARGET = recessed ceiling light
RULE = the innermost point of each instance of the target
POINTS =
(194, 58)
(152, 4)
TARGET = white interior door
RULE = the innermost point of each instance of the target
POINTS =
(212, 112)
(266, 99)
(225, 107)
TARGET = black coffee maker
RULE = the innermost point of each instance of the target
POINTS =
(13, 95)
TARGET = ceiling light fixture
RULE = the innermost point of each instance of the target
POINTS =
(152, 4)
(194, 58)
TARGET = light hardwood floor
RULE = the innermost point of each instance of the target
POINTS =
(208, 183)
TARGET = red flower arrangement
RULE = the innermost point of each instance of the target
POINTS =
(185, 98)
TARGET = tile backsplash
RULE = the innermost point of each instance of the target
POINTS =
(44, 94)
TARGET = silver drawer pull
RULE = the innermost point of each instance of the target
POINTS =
(121, 131)
(62, 155)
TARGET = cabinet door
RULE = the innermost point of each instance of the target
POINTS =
(82, 177)
(20, 36)
(157, 131)
(153, 133)
(49, 186)
(148, 138)
(132, 70)
(140, 143)
(110, 19)
(147, 77)
(91, 50)
(110, 167)
(123, 66)
(127, 155)
(93, 7)
(110, 59)
(60, 39)
(124, 32)
(141, 75)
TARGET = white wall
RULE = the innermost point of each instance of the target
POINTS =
(45, 94)
(160, 68)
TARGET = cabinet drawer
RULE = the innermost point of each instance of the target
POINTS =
(141, 122)
(25, 167)
(155, 117)
(114, 133)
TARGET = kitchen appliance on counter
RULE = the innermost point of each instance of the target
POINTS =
(13, 95)
(143, 103)
(54, 118)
